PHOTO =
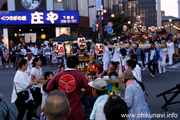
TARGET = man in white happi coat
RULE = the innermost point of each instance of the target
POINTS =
(170, 51)
(106, 59)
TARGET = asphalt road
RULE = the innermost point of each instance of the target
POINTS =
(154, 86)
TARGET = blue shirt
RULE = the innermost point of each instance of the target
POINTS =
(134, 98)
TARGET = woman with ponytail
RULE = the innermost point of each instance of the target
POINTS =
(22, 85)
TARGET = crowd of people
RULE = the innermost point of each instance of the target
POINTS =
(61, 95)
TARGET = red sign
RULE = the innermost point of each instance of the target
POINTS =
(67, 83)
(110, 24)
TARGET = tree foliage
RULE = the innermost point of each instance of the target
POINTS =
(118, 22)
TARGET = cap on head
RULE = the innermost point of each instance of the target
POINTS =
(128, 74)
(99, 84)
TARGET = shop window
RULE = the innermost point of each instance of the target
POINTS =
(3, 5)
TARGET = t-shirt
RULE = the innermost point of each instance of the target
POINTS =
(21, 82)
(38, 74)
(71, 81)
(137, 70)
(153, 52)
(23, 52)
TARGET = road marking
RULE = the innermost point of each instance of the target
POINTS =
(175, 66)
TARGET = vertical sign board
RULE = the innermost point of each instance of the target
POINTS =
(101, 11)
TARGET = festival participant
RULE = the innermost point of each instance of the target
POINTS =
(54, 60)
(116, 55)
(71, 81)
(47, 76)
(100, 93)
(114, 108)
(170, 51)
(123, 57)
(134, 97)
(57, 106)
(36, 74)
(162, 64)
(22, 85)
(153, 58)
(6, 111)
(137, 69)
(30, 59)
(128, 48)
(112, 87)
(106, 58)
(61, 68)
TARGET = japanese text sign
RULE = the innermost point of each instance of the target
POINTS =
(39, 17)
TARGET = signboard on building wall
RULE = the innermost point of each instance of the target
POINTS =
(39, 17)
(29, 5)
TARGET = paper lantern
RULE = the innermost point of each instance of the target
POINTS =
(99, 48)
(124, 28)
(152, 28)
(60, 50)
(138, 18)
(68, 49)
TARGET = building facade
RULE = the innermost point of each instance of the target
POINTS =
(75, 22)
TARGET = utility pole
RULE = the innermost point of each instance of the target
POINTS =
(101, 32)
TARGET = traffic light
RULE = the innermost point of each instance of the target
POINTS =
(97, 26)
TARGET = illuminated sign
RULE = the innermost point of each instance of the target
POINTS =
(39, 17)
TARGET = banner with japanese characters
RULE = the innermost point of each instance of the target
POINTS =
(39, 17)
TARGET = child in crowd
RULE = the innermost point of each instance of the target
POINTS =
(61, 68)
(47, 76)
(113, 87)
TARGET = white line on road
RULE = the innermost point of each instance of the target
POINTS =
(175, 66)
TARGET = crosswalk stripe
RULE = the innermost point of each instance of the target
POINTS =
(175, 65)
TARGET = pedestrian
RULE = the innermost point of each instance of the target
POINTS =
(170, 51)
(54, 60)
(47, 76)
(5, 56)
(99, 92)
(113, 87)
(153, 59)
(57, 106)
(71, 81)
(48, 55)
(23, 52)
(11, 57)
(21, 95)
(17, 52)
(115, 108)
(35, 51)
(6, 111)
(162, 64)
(1, 56)
(32, 49)
(134, 97)
(44, 54)
(40, 53)
(36, 74)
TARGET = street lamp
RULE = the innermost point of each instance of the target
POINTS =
(112, 15)
(104, 11)
(170, 20)
(129, 22)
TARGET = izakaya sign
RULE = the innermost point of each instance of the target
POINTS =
(39, 17)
